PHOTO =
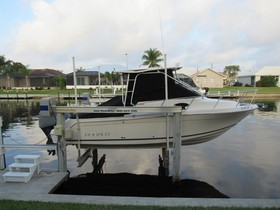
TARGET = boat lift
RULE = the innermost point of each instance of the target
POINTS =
(62, 133)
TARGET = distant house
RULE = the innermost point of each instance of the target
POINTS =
(206, 78)
(251, 79)
(89, 79)
(209, 78)
(44, 76)
(85, 78)
(37, 78)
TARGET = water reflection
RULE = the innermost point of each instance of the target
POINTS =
(20, 126)
(268, 105)
(13, 112)
(242, 163)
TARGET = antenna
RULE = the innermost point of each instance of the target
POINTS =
(162, 42)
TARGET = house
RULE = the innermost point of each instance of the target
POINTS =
(85, 78)
(90, 79)
(251, 79)
(37, 78)
(206, 78)
(45, 77)
(209, 78)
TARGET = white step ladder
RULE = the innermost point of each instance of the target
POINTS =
(23, 168)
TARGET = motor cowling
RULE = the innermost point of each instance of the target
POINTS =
(47, 116)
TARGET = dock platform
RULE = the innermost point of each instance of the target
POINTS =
(41, 184)
(40, 187)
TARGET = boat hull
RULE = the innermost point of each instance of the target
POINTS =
(151, 130)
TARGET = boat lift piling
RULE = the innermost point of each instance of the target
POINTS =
(63, 133)
(2, 150)
(61, 143)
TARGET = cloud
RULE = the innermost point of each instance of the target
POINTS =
(193, 33)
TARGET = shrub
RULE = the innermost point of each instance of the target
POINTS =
(266, 81)
(238, 84)
(248, 85)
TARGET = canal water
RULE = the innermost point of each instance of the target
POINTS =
(242, 163)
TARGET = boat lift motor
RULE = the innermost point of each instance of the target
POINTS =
(85, 98)
(46, 107)
(47, 118)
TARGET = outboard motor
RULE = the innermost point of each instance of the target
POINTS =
(85, 98)
(47, 119)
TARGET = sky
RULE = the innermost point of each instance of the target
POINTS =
(192, 33)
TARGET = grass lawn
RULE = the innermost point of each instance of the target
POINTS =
(262, 90)
(268, 90)
(34, 205)
(56, 91)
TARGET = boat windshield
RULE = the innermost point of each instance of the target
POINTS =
(150, 86)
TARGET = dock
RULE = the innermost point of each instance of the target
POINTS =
(102, 98)
(40, 187)
(43, 183)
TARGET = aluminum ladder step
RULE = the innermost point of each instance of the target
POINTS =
(22, 171)
(23, 167)
(17, 176)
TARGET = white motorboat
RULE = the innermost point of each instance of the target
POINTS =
(203, 119)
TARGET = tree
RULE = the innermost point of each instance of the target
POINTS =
(152, 58)
(231, 72)
(80, 69)
(6, 69)
(266, 81)
(60, 82)
(110, 77)
(26, 71)
(2, 61)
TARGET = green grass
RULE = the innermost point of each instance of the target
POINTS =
(268, 90)
(262, 90)
(53, 92)
(34, 205)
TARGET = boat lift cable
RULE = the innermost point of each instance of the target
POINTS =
(166, 99)
(79, 135)
(76, 103)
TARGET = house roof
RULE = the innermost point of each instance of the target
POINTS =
(189, 71)
(45, 73)
(269, 71)
(265, 71)
(85, 73)
(40, 73)
(136, 71)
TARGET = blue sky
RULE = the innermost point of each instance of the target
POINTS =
(199, 34)
(12, 14)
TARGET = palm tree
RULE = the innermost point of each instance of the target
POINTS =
(152, 57)
(80, 69)
(26, 71)
(6, 69)
(2, 61)
(110, 77)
